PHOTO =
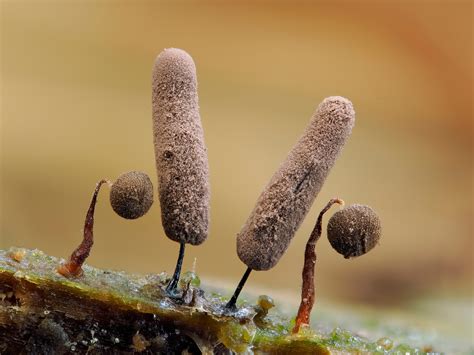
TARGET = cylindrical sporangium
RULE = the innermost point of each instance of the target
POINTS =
(180, 152)
(287, 198)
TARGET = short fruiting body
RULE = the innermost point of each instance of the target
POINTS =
(290, 193)
(180, 153)
(131, 195)
(354, 230)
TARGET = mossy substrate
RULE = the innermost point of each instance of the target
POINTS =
(116, 312)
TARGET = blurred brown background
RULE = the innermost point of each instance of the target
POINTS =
(76, 107)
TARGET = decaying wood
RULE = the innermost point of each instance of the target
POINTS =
(111, 312)
(102, 311)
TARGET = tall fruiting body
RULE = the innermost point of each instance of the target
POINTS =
(287, 198)
(180, 152)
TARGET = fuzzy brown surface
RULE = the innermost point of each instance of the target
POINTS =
(354, 231)
(131, 195)
(180, 152)
(287, 198)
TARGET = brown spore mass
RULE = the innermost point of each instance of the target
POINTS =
(287, 198)
(354, 230)
(180, 152)
(131, 195)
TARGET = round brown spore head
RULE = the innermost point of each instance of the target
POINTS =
(131, 195)
(354, 230)
(180, 150)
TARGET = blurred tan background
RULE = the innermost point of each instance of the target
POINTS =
(76, 107)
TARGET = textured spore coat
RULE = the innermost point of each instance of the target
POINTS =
(180, 152)
(287, 198)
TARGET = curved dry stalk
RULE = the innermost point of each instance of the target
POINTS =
(73, 267)
(307, 290)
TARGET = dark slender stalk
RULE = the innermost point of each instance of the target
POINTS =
(231, 304)
(307, 290)
(173, 284)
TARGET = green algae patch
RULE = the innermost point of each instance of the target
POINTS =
(106, 311)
